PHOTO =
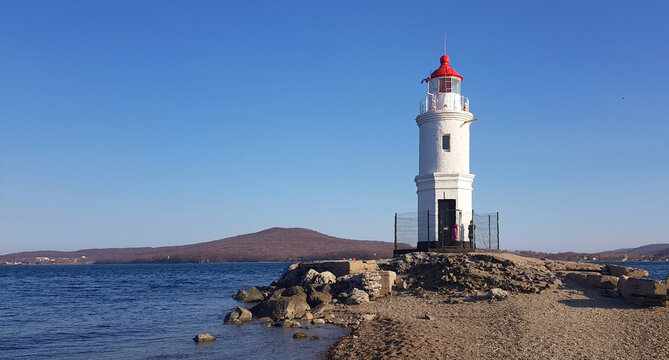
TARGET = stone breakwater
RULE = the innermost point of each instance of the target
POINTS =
(307, 293)
(315, 293)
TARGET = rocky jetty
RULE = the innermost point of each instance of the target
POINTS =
(309, 292)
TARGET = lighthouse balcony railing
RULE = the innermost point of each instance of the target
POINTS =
(444, 102)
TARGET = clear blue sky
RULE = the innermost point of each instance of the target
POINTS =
(148, 123)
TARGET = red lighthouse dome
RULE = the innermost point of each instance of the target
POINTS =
(445, 69)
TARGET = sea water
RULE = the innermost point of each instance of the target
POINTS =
(657, 270)
(140, 312)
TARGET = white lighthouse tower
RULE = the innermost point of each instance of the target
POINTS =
(444, 182)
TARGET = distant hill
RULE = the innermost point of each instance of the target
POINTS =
(275, 244)
(642, 253)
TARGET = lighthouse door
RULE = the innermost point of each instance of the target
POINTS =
(446, 221)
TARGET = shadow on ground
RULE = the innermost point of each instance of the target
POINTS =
(597, 298)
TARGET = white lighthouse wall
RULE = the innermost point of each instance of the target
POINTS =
(432, 188)
(433, 126)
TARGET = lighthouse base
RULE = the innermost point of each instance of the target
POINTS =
(444, 209)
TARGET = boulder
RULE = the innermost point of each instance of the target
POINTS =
(374, 283)
(291, 323)
(238, 316)
(498, 294)
(617, 271)
(239, 295)
(325, 278)
(307, 316)
(253, 295)
(318, 322)
(204, 338)
(319, 310)
(357, 296)
(285, 304)
(367, 317)
(291, 277)
(317, 298)
(292, 291)
(266, 320)
(309, 277)
(300, 335)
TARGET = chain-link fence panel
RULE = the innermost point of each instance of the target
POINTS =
(486, 232)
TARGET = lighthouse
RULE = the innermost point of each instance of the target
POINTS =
(444, 183)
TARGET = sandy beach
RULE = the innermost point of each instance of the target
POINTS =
(571, 322)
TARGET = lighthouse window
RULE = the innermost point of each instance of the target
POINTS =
(446, 142)
(444, 85)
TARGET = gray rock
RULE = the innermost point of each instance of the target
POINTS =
(300, 335)
(498, 294)
(317, 298)
(238, 316)
(309, 277)
(367, 317)
(357, 296)
(253, 295)
(285, 304)
(239, 295)
(291, 277)
(402, 285)
(204, 338)
(325, 278)
(292, 291)
(291, 323)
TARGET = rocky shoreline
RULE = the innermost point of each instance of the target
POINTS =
(479, 304)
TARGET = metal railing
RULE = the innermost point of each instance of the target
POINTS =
(444, 102)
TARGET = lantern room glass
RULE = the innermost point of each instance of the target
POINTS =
(449, 85)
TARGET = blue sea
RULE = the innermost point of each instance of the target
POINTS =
(657, 270)
(140, 312)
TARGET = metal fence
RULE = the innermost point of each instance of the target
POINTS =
(486, 234)
(486, 230)
(406, 230)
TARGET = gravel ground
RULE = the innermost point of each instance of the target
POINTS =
(568, 323)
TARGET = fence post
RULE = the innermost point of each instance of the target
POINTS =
(498, 230)
(489, 234)
(473, 231)
(395, 231)
(428, 229)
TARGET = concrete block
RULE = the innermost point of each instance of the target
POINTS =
(643, 292)
(387, 281)
(616, 270)
(342, 267)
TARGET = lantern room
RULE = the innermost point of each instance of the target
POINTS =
(443, 89)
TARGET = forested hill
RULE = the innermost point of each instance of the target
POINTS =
(275, 244)
(657, 252)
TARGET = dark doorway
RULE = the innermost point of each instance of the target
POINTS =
(446, 221)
